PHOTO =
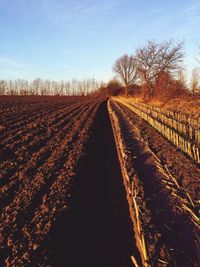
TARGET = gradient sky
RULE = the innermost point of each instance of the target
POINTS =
(64, 39)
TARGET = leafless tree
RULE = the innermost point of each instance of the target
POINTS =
(36, 86)
(114, 87)
(48, 87)
(2, 87)
(11, 88)
(125, 69)
(195, 80)
(155, 58)
(181, 78)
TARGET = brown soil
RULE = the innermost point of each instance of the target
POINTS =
(63, 202)
(172, 238)
(97, 231)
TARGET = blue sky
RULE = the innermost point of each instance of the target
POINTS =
(65, 39)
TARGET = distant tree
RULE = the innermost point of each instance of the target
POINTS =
(125, 69)
(2, 87)
(167, 87)
(163, 84)
(177, 89)
(181, 77)
(135, 90)
(195, 80)
(37, 86)
(49, 87)
(11, 88)
(102, 91)
(114, 88)
(156, 58)
(22, 87)
(67, 88)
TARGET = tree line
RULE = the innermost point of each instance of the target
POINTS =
(48, 87)
(156, 69)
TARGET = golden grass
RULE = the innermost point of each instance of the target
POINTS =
(187, 104)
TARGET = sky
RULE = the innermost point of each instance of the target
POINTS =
(66, 39)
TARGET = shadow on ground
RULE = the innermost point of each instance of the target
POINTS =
(97, 231)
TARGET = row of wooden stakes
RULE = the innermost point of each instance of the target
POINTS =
(192, 119)
(178, 139)
(183, 128)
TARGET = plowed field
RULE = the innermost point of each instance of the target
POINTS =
(85, 182)
(163, 185)
(41, 145)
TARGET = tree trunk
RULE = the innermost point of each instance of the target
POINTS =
(126, 90)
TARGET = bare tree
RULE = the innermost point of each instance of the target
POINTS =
(195, 80)
(48, 87)
(11, 88)
(2, 87)
(156, 58)
(181, 78)
(125, 69)
(114, 87)
(36, 86)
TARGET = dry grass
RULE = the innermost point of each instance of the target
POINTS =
(187, 103)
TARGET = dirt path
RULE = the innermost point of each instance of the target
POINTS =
(97, 231)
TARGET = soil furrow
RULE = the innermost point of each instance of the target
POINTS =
(169, 233)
